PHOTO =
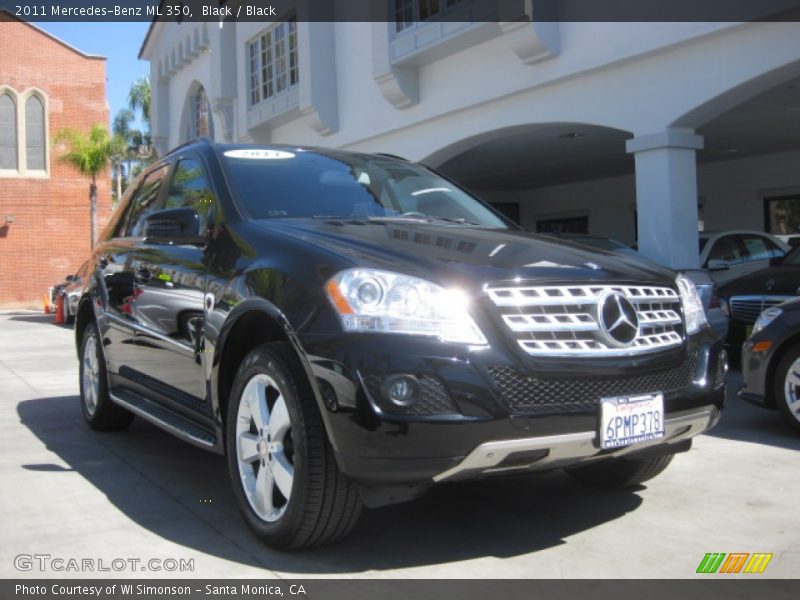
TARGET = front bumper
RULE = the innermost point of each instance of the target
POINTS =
(569, 449)
(378, 447)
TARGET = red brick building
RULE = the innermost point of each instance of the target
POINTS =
(45, 85)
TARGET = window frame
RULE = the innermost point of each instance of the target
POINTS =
(122, 226)
(263, 74)
(212, 214)
(20, 100)
(415, 7)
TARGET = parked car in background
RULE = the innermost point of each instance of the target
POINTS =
(701, 278)
(771, 361)
(793, 239)
(747, 297)
(731, 254)
(67, 294)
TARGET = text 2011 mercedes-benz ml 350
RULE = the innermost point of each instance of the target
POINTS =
(351, 329)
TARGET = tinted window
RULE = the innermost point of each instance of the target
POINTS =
(304, 184)
(726, 249)
(190, 189)
(144, 202)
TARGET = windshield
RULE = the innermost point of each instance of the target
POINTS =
(276, 184)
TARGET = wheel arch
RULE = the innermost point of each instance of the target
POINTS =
(251, 323)
(769, 388)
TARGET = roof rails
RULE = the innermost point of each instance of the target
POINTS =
(195, 140)
(387, 155)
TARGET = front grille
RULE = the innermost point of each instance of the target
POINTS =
(433, 400)
(565, 320)
(524, 394)
(747, 308)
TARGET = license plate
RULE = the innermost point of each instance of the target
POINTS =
(626, 420)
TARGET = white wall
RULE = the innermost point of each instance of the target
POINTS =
(732, 193)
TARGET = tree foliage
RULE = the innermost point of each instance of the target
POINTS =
(89, 153)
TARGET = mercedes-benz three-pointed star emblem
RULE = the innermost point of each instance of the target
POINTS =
(618, 320)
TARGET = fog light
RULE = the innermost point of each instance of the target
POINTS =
(401, 390)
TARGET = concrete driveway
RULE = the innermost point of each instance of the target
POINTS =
(71, 493)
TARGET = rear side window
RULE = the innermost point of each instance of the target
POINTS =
(144, 203)
(190, 189)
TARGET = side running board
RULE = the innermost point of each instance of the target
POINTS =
(166, 419)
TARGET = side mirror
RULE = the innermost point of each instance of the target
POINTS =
(716, 264)
(776, 260)
(70, 278)
(179, 226)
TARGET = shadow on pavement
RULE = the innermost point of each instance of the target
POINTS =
(746, 422)
(182, 494)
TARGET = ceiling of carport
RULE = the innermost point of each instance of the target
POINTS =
(553, 154)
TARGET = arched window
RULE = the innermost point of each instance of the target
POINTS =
(8, 133)
(35, 135)
(200, 124)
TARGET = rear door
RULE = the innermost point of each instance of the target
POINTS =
(116, 269)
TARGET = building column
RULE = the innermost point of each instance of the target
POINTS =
(666, 196)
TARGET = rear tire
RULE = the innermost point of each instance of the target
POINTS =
(98, 409)
(620, 473)
(787, 386)
(282, 468)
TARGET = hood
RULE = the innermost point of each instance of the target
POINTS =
(465, 254)
(776, 281)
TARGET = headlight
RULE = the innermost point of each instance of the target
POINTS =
(692, 305)
(765, 318)
(381, 301)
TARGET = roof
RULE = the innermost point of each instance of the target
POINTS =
(6, 16)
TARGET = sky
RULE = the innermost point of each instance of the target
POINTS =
(119, 43)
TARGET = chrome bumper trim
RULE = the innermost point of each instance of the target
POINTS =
(567, 448)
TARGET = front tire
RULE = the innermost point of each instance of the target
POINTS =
(787, 386)
(282, 467)
(620, 473)
(98, 409)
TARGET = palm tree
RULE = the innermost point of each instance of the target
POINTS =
(121, 127)
(139, 98)
(89, 153)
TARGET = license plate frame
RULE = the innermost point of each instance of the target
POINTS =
(645, 419)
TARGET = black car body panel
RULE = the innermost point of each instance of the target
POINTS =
(174, 319)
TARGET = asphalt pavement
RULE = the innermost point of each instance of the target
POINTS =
(78, 503)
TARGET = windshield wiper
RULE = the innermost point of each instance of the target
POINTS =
(459, 220)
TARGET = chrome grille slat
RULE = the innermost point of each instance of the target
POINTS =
(573, 294)
(748, 308)
(553, 320)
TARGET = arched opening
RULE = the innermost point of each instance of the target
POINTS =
(747, 171)
(197, 120)
(557, 178)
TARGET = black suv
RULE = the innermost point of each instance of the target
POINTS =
(350, 329)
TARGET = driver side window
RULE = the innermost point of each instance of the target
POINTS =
(144, 202)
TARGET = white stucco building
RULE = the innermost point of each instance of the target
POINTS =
(621, 129)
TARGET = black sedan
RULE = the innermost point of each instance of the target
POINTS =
(747, 297)
(771, 361)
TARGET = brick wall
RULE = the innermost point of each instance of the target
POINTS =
(50, 236)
